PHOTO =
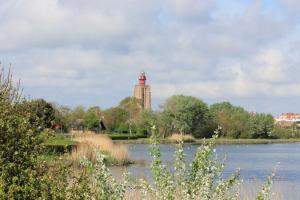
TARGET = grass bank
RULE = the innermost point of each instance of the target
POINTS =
(59, 144)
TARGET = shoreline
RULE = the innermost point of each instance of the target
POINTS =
(218, 141)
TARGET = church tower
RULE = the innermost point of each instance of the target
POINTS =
(142, 92)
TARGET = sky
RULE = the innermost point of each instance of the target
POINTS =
(90, 52)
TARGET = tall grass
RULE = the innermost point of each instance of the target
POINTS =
(89, 143)
(177, 137)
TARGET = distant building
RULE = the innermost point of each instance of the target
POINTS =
(142, 92)
(287, 120)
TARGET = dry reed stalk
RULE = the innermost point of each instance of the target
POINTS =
(186, 138)
(89, 142)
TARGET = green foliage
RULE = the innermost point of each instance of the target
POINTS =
(279, 132)
(106, 186)
(261, 125)
(236, 122)
(206, 127)
(91, 120)
(184, 113)
(43, 111)
(58, 139)
(77, 118)
(115, 118)
(20, 144)
(58, 144)
(62, 117)
(232, 119)
(127, 116)
(81, 189)
(265, 191)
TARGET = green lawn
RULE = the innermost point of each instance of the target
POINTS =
(59, 144)
(60, 139)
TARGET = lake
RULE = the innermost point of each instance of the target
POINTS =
(256, 162)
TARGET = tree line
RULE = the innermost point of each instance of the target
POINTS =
(179, 114)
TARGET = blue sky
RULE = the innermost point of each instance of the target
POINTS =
(78, 52)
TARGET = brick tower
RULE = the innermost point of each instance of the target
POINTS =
(142, 92)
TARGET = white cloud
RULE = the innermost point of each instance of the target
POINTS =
(270, 66)
(291, 4)
(191, 9)
(191, 47)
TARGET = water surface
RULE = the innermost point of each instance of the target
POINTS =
(256, 162)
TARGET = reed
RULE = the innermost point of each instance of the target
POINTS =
(185, 138)
(89, 143)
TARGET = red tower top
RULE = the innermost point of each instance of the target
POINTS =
(142, 79)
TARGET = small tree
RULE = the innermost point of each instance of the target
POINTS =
(44, 112)
(233, 119)
(132, 108)
(261, 125)
(91, 120)
(185, 113)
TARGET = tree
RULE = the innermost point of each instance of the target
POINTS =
(125, 117)
(206, 128)
(232, 119)
(62, 117)
(96, 109)
(77, 117)
(184, 113)
(146, 119)
(132, 107)
(115, 118)
(220, 107)
(261, 125)
(44, 112)
(91, 119)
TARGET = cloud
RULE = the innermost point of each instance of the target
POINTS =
(201, 48)
(270, 66)
(191, 10)
(291, 4)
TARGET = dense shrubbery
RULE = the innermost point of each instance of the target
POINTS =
(20, 144)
